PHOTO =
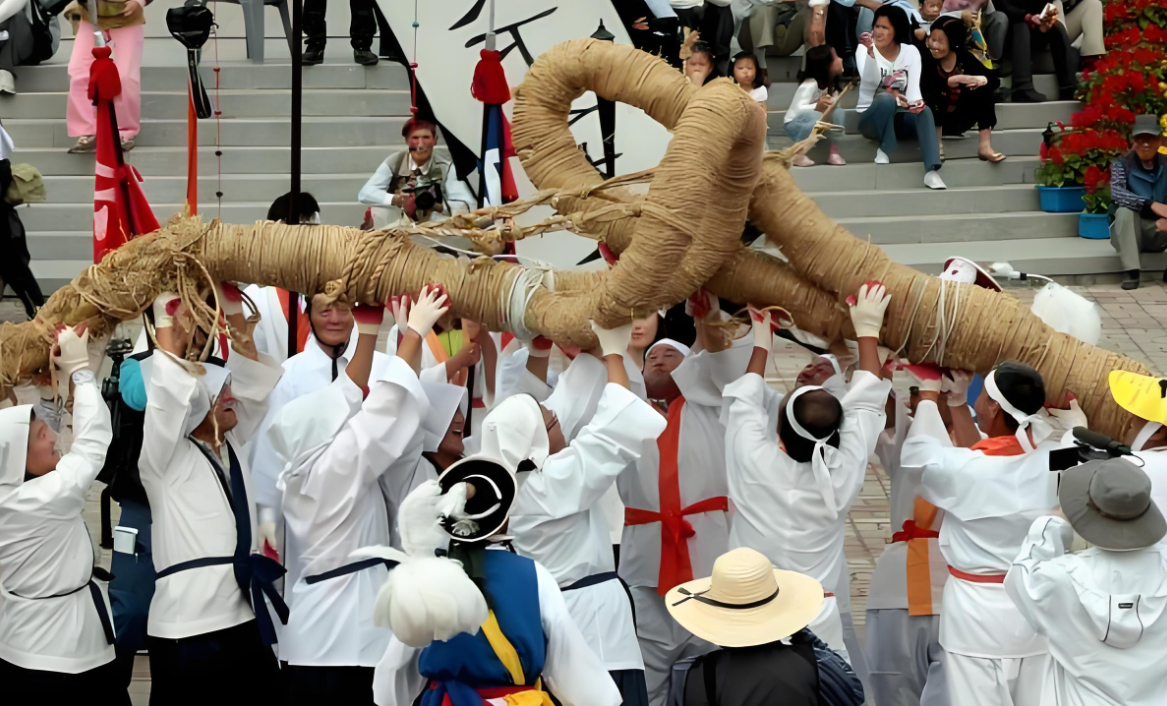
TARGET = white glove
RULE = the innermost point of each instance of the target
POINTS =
(613, 341)
(928, 376)
(868, 309)
(162, 317)
(763, 331)
(74, 351)
(425, 312)
(955, 386)
(265, 534)
(1072, 417)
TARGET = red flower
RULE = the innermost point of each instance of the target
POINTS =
(1043, 151)
(1055, 156)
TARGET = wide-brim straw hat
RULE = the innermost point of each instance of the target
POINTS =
(1109, 503)
(746, 601)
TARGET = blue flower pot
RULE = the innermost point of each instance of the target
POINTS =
(1062, 199)
(1095, 226)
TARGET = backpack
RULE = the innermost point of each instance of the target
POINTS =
(42, 22)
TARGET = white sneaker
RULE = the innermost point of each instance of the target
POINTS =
(880, 157)
(932, 180)
(7, 82)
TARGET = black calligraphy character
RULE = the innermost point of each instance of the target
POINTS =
(512, 29)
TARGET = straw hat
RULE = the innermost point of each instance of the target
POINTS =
(746, 601)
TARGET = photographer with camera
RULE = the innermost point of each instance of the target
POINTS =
(415, 185)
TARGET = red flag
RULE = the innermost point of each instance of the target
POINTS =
(120, 209)
(192, 156)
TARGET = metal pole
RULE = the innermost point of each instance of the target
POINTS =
(98, 35)
(294, 198)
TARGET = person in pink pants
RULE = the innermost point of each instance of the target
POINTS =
(126, 42)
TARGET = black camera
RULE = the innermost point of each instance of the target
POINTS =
(1088, 446)
(427, 193)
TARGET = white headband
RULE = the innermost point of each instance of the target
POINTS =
(823, 456)
(684, 350)
(1145, 435)
(1026, 423)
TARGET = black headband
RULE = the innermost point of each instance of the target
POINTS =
(719, 604)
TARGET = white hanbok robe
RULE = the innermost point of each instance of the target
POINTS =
(571, 670)
(45, 550)
(558, 520)
(332, 507)
(780, 506)
(191, 516)
(1104, 613)
(989, 503)
(1155, 466)
(271, 333)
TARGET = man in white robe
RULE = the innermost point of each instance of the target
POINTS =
(990, 494)
(594, 430)
(791, 498)
(1102, 609)
(56, 635)
(336, 444)
(208, 625)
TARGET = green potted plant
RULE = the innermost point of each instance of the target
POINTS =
(1094, 222)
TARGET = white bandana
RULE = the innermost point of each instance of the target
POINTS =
(1026, 423)
(824, 455)
(1145, 435)
(669, 342)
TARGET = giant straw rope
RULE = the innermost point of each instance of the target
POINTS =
(681, 235)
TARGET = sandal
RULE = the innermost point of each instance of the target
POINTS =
(85, 143)
(994, 158)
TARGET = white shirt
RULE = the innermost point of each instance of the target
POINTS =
(571, 670)
(806, 97)
(759, 94)
(333, 508)
(700, 471)
(192, 518)
(271, 333)
(304, 373)
(989, 503)
(1103, 613)
(780, 507)
(45, 550)
(873, 70)
(558, 521)
(456, 195)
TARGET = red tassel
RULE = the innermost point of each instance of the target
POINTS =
(104, 81)
(490, 81)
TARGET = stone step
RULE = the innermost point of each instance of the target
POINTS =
(1010, 116)
(237, 188)
(865, 175)
(856, 148)
(234, 103)
(925, 202)
(1067, 256)
(985, 228)
(332, 131)
(78, 217)
(233, 75)
(171, 161)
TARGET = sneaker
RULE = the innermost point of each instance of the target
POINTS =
(836, 159)
(364, 57)
(881, 157)
(1028, 95)
(85, 143)
(7, 82)
(802, 161)
(932, 180)
(312, 57)
(128, 144)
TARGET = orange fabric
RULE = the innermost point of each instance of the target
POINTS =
(976, 578)
(999, 446)
(918, 560)
(675, 565)
(303, 325)
(436, 347)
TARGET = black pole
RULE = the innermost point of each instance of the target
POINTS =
(294, 198)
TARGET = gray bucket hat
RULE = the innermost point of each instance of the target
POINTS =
(1109, 504)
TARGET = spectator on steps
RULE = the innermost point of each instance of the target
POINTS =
(814, 95)
(777, 29)
(17, 47)
(415, 184)
(717, 26)
(1138, 183)
(361, 27)
(689, 14)
(747, 76)
(699, 60)
(1083, 18)
(281, 209)
(891, 105)
(124, 32)
(958, 88)
(14, 257)
(1034, 28)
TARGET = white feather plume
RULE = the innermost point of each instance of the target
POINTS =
(420, 514)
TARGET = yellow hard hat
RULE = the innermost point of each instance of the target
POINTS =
(1141, 395)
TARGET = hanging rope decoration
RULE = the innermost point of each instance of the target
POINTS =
(413, 66)
(218, 121)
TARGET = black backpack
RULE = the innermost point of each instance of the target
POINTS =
(42, 34)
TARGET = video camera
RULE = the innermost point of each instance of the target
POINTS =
(427, 193)
(1088, 446)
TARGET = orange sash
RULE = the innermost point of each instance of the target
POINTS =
(999, 446)
(916, 533)
(303, 325)
(676, 567)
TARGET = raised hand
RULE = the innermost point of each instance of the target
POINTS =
(71, 352)
(431, 305)
(868, 308)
